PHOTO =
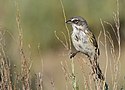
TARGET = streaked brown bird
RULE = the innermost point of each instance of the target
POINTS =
(85, 42)
(82, 38)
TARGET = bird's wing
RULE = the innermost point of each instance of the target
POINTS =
(92, 40)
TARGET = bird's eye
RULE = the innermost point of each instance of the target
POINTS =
(75, 21)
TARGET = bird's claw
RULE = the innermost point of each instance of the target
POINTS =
(72, 55)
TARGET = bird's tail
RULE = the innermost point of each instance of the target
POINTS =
(97, 72)
(96, 69)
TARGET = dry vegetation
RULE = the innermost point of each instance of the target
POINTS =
(22, 80)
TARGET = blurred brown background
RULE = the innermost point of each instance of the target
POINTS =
(39, 20)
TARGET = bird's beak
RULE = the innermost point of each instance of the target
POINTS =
(69, 21)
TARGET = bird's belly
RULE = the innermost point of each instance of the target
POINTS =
(83, 44)
(83, 47)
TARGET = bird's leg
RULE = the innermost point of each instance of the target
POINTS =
(73, 54)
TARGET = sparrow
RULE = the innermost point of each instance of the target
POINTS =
(85, 42)
(83, 39)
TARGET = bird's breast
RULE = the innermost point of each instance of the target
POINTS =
(81, 42)
(79, 35)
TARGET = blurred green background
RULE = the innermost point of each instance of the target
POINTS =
(39, 20)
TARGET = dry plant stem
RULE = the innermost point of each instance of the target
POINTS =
(11, 35)
(99, 38)
(52, 82)
(84, 77)
(66, 74)
(67, 43)
(68, 47)
(90, 84)
(105, 45)
(40, 75)
(114, 54)
(41, 59)
(105, 86)
(65, 39)
(25, 70)
(16, 82)
(66, 25)
(5, 83)
(90, 81)
(61, 41)
(73, 75)
(117, 25)
(39, 83)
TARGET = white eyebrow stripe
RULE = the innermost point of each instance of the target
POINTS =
(74, 19)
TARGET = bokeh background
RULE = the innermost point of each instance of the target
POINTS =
(39, 20)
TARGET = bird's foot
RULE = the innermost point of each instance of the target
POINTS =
(72, 54)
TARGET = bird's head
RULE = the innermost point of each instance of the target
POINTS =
(77, 22)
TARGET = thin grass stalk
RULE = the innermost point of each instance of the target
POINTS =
(117, 25)
(64, 15)
(118, 31)
(65, 39)
(84, 77)
(74, 83)
(61, 40)
(39, 81)
(5, 75)
(24, 63)
(105, 45)
(66, 74)
(112, 54)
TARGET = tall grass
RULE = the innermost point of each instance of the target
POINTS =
(22, 80)
(5, 74)
(107, 37)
